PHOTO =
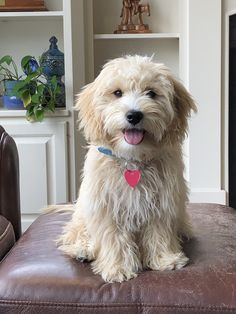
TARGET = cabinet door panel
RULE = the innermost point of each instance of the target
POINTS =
(43, 161)
(33, 159)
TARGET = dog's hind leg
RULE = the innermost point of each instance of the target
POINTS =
(74, 240)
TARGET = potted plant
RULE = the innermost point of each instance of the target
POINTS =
(9, 78)
(39, 95)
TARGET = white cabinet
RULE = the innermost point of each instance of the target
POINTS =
(43, 162)
(48, 152)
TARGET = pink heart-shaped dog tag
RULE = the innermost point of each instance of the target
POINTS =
(132, 177)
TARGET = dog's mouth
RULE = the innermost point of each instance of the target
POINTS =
(134, 136)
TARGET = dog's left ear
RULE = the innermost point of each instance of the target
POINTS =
(89, 120)
(184, 104)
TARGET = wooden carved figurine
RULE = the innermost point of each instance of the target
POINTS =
(133, 9)
(126, 13)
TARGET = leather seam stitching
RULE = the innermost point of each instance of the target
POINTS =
(5, 232)
(117, 305)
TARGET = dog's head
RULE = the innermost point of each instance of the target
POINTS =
(135, 107)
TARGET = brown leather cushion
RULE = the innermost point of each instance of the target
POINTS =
(36, 278)
(7, 236)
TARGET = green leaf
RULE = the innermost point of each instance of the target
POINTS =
(30, 110)
(30, 113)
(40, 70)
(53, 80)
(25, 61)
(58, 90)
(53, 83)
(31, 87)
(29, 116)
(18, 86)
(6, 59)
(35, 99)
(51, 106)
(35, 108)
(31, 76)
(26, 98)
(39, 115)
(40, 89)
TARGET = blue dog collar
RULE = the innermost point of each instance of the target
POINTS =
(105, 151)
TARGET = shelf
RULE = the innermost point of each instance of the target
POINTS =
(138, 36)
(25, 16)
(21, 113)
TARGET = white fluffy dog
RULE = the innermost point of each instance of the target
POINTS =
(130, 214)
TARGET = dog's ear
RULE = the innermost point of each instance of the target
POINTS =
(89, 119)
(183, 105)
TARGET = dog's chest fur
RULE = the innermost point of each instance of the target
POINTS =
(108, 191)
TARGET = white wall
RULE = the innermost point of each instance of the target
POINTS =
(201, 69)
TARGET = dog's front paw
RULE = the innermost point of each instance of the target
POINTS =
(117, 275)
(114, 274)
(169, 261)
(76, 251)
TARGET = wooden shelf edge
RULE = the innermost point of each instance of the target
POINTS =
(138, 36)
(21, 113)
(25, 14)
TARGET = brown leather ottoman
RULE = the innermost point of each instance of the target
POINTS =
(36, 278)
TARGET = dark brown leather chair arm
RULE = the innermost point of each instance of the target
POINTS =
(9, 182)
(7, 236)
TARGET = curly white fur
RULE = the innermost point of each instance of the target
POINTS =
(120, 229)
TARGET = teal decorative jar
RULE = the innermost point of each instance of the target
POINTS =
(52, 62)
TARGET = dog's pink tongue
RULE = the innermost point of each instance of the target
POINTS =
(133, 136)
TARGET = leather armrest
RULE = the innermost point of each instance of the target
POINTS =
(9, 170)
(7, 236)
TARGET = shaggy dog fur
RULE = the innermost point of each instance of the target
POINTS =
(123, 230)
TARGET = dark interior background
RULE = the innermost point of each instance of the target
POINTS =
(232, 112)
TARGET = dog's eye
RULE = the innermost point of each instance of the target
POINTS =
(118, 93)
(151, 94)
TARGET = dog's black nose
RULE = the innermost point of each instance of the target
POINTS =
(134, 117)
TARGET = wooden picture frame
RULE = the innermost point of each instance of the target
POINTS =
(22, 5)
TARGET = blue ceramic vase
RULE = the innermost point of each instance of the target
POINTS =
(10, 101)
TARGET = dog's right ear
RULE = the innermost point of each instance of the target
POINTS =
(184, 105)
(89, 119)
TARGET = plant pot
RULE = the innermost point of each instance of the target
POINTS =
(11, 102)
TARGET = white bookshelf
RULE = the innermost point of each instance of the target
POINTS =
(102, 18)
(51, 144)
